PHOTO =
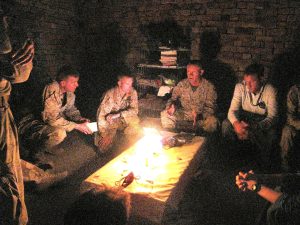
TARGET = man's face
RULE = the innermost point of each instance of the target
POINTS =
(70, 83)
(252, 83)
(194, 72)
(5, 45)
(125, 84)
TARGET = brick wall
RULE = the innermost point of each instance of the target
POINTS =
(54, 27)
(251, 30)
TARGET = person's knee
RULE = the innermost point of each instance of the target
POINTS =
(288, 133)
(211, 124)
(56, 137)
(166, 121)
(227, 128)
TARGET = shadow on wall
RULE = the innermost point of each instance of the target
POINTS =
(166, 33)
(285, 71)
(105, 56)
(22, 24)
(219, 73)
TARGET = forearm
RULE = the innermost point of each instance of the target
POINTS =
(74, 114)
(128, 112)
(269, 194)
(267, 123)
(293, 122)
(61, 123)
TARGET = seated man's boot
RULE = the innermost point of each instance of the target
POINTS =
(185, 126)
(49, 179)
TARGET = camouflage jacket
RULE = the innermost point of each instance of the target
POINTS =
(55, 113)
(113, 101)
(202, 100)
(293, 107)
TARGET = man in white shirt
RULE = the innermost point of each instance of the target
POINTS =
(253, 113)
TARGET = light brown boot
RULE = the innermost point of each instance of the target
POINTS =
(49, 179)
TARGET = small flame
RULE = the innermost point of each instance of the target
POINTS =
(148, 156)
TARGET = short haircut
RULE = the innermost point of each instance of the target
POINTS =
(100, 207)
(66, 71)
(126, 73)
(196, 63)
(255, 69)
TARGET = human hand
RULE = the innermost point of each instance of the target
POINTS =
(111, 117)
(85, 120)
(194, 114)
(171, 109)
(245, 181)
(24, 55)
(105, 142)
(241, 129)
(83, 127)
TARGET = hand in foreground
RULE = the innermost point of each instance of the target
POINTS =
(83, 120)
(82, 127)
(24, 55)
(243, 182)
(111, 117)
(105, 142)
(171, 109)
(241, 129)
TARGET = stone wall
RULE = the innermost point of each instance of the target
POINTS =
(251, 30)
(54, 27)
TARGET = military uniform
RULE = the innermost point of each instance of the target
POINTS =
(58, 117)
(291, 131)
(12, 203)
(114, 101)
(201, 100)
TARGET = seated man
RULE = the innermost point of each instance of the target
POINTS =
(193, 103)
(291, 131)
(118, 110)
(59, 114)
(285, 208)
(253, 113)
(110, 206)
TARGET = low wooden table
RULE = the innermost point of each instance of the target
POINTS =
(160, 183)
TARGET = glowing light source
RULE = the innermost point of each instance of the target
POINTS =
(148, 158)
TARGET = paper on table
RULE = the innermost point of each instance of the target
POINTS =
(93, 126)
(163, 90)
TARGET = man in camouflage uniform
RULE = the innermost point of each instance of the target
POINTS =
(15, 67)
(193, 103)
(290, 138)
(117, 111)
(59, 114)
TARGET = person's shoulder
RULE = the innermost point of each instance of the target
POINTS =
(111, 90)
(295, 88)
(52, 86)
(240, 85)
(183, 83)
(270, 88)
(207, 83)
(133, 91)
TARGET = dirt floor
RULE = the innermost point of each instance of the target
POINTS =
(211, 199)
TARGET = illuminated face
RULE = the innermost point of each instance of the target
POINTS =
(194, 73)
(252, 82)
(69, 84)
(125, 84)
(5, 45)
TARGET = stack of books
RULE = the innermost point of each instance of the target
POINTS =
(168, 57)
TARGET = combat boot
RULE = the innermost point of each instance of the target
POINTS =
(49, 179)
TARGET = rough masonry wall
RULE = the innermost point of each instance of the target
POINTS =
(53, 25)
(251, 30)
